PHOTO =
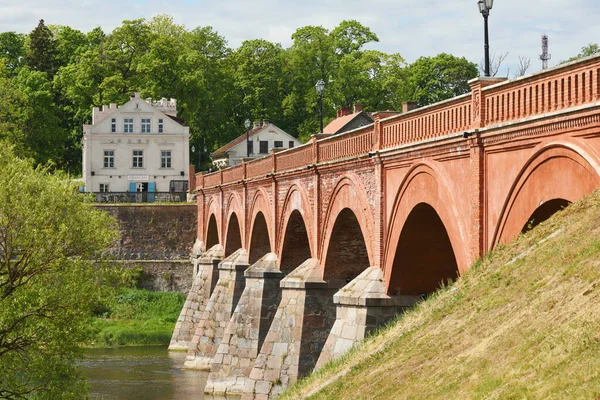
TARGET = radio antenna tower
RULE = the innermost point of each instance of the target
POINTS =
(545, 56)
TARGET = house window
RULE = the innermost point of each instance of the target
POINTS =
(278, 144)
(250, 147)
(138, 159)
(165, 159)
(113, 125)
(109, 158)
(146, 125)
(264, 146)
(160, 126)
(104, 187)
(128, 125)
(291, 144)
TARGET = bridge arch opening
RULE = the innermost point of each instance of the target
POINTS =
(260, 243)
(424, 257)
(296, 247)
(543, 212)
(212, 234)
(234, 236)
(347, 253)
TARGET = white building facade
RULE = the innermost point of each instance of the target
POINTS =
(256, 143)
(140, 146)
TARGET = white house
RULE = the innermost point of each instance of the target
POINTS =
(255, 143)
(140, 146)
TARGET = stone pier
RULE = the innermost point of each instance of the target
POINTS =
(217, 313)
(205, 279)
(296, 337)
(362, 306)
(247, 328)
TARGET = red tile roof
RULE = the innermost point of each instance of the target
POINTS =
(220, 151)
(337, 124)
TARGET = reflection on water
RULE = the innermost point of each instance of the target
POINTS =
(147, 373)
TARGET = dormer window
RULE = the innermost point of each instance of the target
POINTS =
(146, 125)
(128, 125)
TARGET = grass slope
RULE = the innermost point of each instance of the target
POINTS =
(137, 317)
(524, 323)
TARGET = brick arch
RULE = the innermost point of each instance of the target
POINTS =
(209, 231)
(556, 171)
(296, 225)
(424, 191)
(233, 233)
(348, 206)
(260, 204)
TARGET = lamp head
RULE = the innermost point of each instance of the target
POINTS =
(247, 124)
(320, 86)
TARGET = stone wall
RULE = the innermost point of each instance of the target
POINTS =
(154, 231)
(163, 275)
(157, 238)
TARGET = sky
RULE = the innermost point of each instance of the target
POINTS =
(412, 28)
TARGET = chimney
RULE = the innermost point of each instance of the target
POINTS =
(409, 106)
(113, 106)
(344, 111)
(357, 108)
(136, 95)
(256, 124)
(265, 122)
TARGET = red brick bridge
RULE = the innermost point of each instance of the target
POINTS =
(389, 211)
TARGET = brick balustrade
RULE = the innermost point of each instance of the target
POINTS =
(500, 102)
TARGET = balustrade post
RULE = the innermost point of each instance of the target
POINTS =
(243, 169)
(377, 139)
(478, 108)
(273, 161)
(315, 149)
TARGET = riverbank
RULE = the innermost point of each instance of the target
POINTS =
(522, 323)
(135, 317)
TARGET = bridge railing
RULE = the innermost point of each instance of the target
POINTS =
(547, 91)
(429, 122)
(489, 104)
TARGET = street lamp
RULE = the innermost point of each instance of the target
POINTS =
(320, 86)
(484, 8)
(247, 126)
(193, 155)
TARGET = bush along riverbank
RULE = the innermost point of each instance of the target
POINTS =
(135, 317)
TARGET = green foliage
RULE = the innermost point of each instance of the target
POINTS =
(57, 74)
(41, 50)
(586, 51)
(47, 285)
(136, 317)
(433, 79)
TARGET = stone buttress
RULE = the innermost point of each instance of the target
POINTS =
(217, 313)
(247, 328)
(362, 306)
(205, 278)
(296, 337)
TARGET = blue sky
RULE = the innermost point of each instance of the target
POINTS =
(412, 28)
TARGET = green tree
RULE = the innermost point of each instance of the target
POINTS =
(432, 79)
(48, 285)
(12, 49)
(586, 51)
(41, 50)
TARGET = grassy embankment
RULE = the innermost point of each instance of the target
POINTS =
(523, 323)
(136, 317)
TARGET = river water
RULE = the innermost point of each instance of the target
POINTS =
(145, 373)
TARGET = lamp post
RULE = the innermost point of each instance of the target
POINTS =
(193, 155)
(484, 8)
(320, 86)
(247, 126)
